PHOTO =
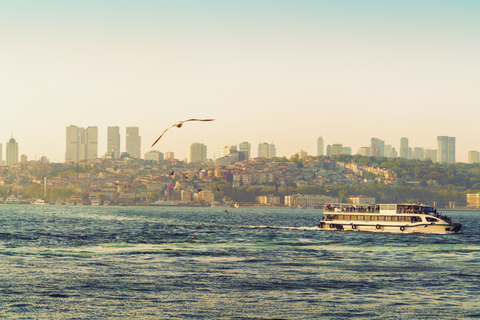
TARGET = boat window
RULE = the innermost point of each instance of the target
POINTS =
(346, 217)
(395, 218)
(383, 207)
(360, 217)
(335, 216)
(388, 218)
(391, 207)
(381, 218)
(373, 218)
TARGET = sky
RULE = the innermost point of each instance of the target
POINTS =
(282, 72)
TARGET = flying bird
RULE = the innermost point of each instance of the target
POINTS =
(179, 124)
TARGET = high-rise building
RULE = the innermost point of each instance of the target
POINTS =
(154, 156)
(364, 151)
(377, 147)
(337, 149)
(419, 153)
(11, 152)
(91, 143)
(197, 152)
(431, 154)
(133, 142)
(387, 150)
(329, 151)
(320, 146)
(225, 151)
(245, 146)
(23, 158)
(393, 153)
(1, 155)
(473, 157)
(81, 143)
(113, 141)
(347, 150)
(446, 149)
(404, 148)
(263, 150)
(272, 151)
(169, 155)
(301, 154)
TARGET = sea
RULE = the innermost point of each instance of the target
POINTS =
(95, 262)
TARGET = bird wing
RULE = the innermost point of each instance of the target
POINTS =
(198, 120)
(162, 135)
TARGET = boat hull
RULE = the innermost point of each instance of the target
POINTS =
(407, 228)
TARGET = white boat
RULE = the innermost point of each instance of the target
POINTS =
(96, 202)
(12, 200)
(41, 202)
(164, 203)
(395, 218)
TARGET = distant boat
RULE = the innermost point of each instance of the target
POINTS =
(236, 205)
(164, 203)
(41, 202)
(96, 202)
(12, 200)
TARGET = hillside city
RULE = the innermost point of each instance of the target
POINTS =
(374, 175)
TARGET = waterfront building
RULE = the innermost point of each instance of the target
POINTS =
(473, 156)
(154, 156)
(377, 147)
(419, 153)
(11, 152)
(337, 149)
(245, 147)
(133, 142)
(197, 152)
(473, 200)
(320, 146)
(446, 149)
(404, 148)
(263, 150)
(113, 141)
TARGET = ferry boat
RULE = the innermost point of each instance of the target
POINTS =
(394, 218)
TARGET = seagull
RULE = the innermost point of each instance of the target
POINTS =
(179, 124)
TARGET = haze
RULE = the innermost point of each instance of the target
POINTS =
(285, 72)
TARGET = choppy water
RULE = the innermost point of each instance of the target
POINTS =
(60, 262)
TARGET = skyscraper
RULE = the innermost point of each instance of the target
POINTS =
(446, 149)
(473, 156)
(431, 154)
(91, 143)
(377, 147)
(11, 152)
(197, 152)
(263, 150)
(1, 155)
(404, 148)
(272, 151)
(320, 146)
(113, 141)
(419, 153)
(81, 144)
(245, 146)
(337, 149)
(133, 142)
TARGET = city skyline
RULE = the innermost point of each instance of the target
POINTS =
(286, 71)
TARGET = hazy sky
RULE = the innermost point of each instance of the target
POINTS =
(278, 71)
